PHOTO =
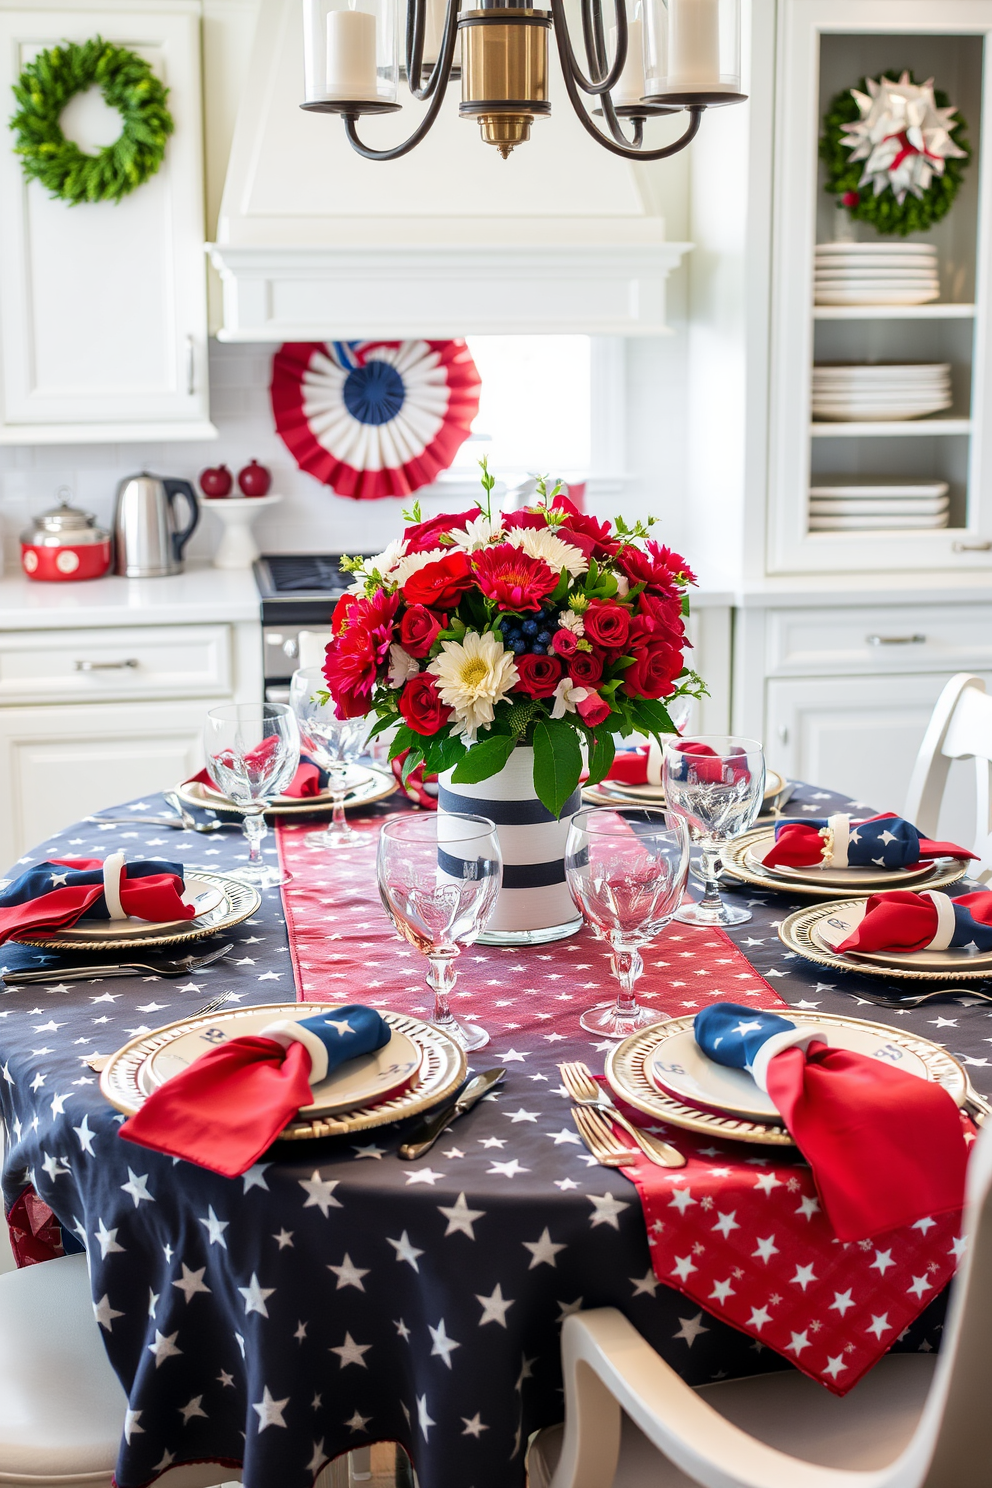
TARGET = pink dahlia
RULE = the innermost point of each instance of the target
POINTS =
(514, 580)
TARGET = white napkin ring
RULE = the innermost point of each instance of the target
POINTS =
(837, 836)
(285, 1031)
(113, 868)
(946, 923)
(789, 1038)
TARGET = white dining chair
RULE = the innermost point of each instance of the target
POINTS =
(914, 1421)
(960, 727)
(61, 1405)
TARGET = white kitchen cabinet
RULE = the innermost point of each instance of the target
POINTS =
(103, 322)
(58, 764)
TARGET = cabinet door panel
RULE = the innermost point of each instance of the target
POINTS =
(103, 305)
(60, 764)
(861, 736)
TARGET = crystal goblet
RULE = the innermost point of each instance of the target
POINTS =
(717, 782)
(334, 744)
(252, 752)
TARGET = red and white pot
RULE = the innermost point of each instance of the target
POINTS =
(64, 545)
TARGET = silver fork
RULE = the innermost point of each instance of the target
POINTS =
(919, 998)
(577, 1079)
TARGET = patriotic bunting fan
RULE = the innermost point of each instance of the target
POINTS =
(374, 418)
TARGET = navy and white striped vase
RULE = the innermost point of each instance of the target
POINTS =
(534, 905)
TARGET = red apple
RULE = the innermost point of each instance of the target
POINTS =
(254, 480)
(216, 481)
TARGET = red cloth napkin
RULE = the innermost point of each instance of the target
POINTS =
(715, 773)
(309, 779)
(886, 1147)
(55, 894)
(903, 921)
(801, 845)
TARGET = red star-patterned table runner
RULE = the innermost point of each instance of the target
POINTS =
(738, 1231)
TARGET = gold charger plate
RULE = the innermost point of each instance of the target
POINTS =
(376, 788)
(442, 1069)
(240, 901)
(797, 932)
(630, 1079)
(734, 858)
(615, 793)
(858, 876)
(837, 923)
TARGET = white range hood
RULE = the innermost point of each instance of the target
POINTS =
(315, 242)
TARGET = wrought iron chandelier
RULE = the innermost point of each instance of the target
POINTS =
(665, 57)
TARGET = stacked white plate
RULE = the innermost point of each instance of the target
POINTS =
(875, 274)
(882, 506)
(877, 392)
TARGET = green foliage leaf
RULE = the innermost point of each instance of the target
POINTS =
(557, 762)
(602, 751)
(485, 757)
(651, 715)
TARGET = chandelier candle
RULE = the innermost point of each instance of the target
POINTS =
(350, 55)
(630, 89)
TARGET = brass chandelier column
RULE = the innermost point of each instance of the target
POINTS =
(504, 72)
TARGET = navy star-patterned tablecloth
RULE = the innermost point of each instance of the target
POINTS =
(335, 1295)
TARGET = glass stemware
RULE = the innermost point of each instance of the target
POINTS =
(334, 744)
(252, 752)
(626, 869)
(717, 782)
(439, 877)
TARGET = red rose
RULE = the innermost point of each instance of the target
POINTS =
(441, 584)
(653, 672)
(565, 642)
(421, 706)
(539, 675)
(593, 709)
(424, 536)
(362, 634)
(586, 668)
(606, 623)
(418, 630)
(658, 618)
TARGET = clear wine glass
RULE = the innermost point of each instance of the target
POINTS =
(626, 869)
(334, 744)
(717, 782)
(252, 751)
(439, 878)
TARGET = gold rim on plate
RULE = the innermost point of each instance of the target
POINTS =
(241, 900)
(796, 933)
(628, 1077)
(442, 1070)
(733, 858)
(377, 788)
(595, 795)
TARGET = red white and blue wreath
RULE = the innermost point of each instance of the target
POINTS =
(374, 418)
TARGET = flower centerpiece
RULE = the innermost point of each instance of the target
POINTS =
(488, 641)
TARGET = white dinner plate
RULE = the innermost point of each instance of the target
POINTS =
(374, 786)
(839, 921)
(881, 369)
(236, 901)
(359, 1082)
(654, 795)
(899, 296)
(679, 1067)
(880, 492)
(886, 265)
(859, 508)
(203, 896)
(878, 524)
(874, 247)
(855, 877)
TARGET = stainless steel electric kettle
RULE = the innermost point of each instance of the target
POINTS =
(148, 540)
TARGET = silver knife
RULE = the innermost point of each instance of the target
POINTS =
(426, 1134)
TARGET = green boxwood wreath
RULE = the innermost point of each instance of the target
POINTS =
(127, 84)
(916, 214)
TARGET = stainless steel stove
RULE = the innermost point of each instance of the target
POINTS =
(299, 592)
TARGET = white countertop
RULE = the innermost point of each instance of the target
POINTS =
(199, 595)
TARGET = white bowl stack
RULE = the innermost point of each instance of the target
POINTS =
(875, 274)
(880, 505)
(860, 392)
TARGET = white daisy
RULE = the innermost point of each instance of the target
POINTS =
(402, 666)
(472, 676)
(383, 563)
(567, 697)
(478, 533)
(569, 620)
(539, 542)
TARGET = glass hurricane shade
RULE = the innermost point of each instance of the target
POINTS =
(349, 51)
(691, 48)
